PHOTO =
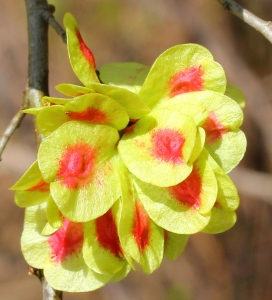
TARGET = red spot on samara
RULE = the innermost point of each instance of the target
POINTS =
(214, 129)
(90, 114)
(167, 145)
(85, 50)
(141, 227)
(76, 165)
(68, 240)
(188, 192)
(106, 234)
(188, 80)
(41, 186)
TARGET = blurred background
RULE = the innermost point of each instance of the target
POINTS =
(235, 265)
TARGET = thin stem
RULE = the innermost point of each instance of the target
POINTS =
(48, 17)
(264, 27)
(34, 97)
(48, 292)
(13, 125)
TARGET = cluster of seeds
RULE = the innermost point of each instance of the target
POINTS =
(132, 163)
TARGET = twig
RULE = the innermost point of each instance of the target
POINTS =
(34, 97)
(264, 27)
(48, 292)
(224, 50)
(48, 17)
(31, 98)
(14, 123)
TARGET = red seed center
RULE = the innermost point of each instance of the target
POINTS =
(76, 165)
(167, 145)
(188, 80)
(90, 114)
(41, 186)
(141, 227)
(188, 192)
(85, 50)
(214, 129)
(68, 240)
(106, 234)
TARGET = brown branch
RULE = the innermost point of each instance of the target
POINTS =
(48, 17)
(264, 27)
(13, 125)
(31, 98)
(38, 84)
(37, 45)
(224, 50)
(34, 97)
(48, 292)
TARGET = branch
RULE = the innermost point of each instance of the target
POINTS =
(224, 50)
(264, 27)
(48, 292)
(34, 98)
(38, 84)
(49, 18)
(13, 125)
(37, 45)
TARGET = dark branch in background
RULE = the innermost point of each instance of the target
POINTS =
(264, 27)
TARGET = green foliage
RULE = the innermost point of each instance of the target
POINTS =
(130, 166)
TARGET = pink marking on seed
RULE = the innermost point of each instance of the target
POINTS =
(76, 165)
(85, 50)
(90, 114)
(188, 192)
(214, 129)
(141, 227)
(41, 186)
(67, 241)
(188, 80)
(107, 235)
(167, 145)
